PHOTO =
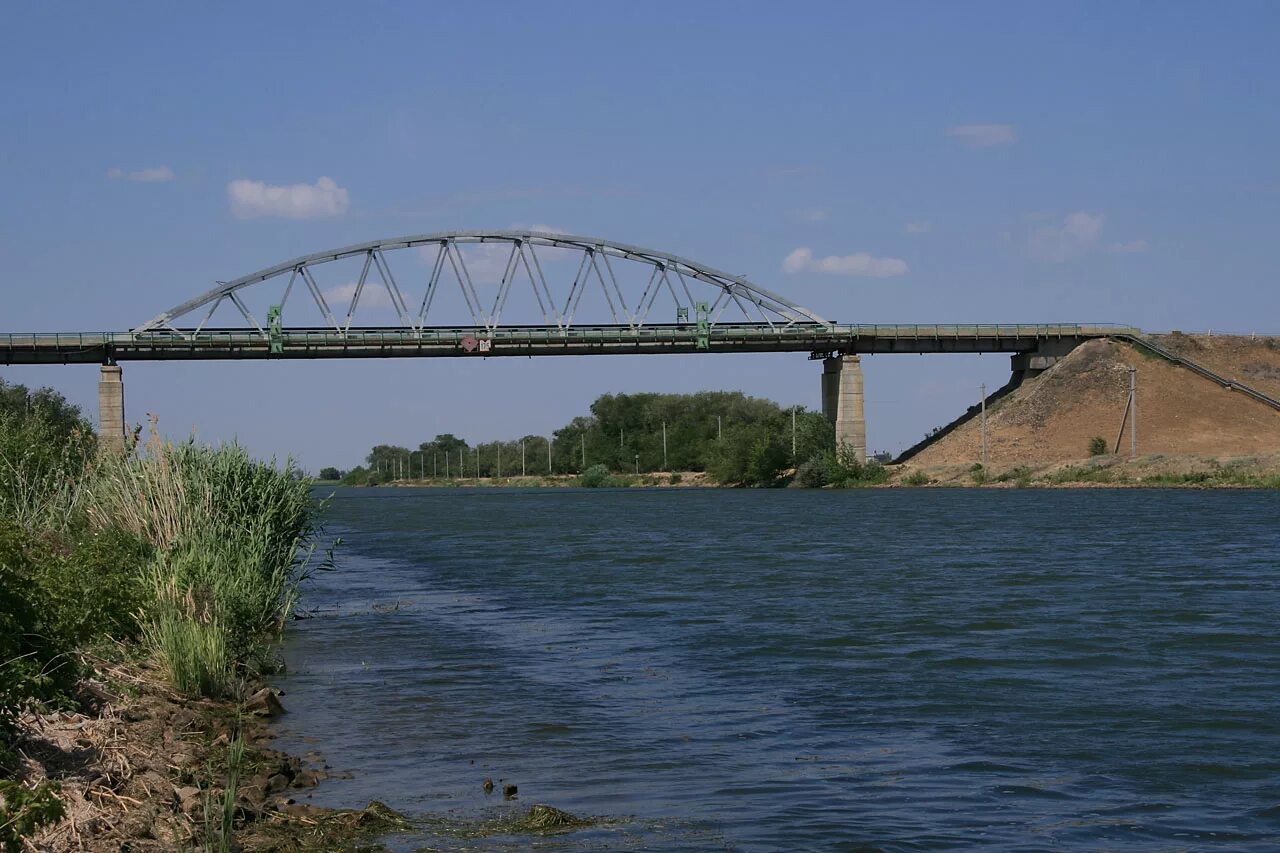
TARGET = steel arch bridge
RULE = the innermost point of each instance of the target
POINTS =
(668, 275)
(569, 295)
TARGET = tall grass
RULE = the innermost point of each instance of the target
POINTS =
(219, 822)
(42, 461)
(228, 533)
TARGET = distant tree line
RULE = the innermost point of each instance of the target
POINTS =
(736, 439)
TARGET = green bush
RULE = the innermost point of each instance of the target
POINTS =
(96, 588)
(916, 478)
(749, 455)
(1097, 446)
(1020, 472)
(23, 810)
(841, 470)
(595, 477)
(45, 446)
(34, 666)
(811, 474)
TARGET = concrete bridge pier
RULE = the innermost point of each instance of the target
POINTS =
(111, 434)
(842, 403)
(1027, 365)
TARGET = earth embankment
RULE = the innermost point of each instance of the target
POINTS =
(1052, 418)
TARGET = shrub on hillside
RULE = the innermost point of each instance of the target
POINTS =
(916, 478)
(1097, 446)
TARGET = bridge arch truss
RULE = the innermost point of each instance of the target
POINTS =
(669, 278)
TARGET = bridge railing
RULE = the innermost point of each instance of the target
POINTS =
(388, 337)
(552, 334)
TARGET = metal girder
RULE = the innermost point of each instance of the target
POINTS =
(597, 262)
(523, 341)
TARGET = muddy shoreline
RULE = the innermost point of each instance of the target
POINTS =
(140, 767)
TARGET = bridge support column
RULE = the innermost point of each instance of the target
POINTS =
(1027, 365)
(111, 434)
(842, 403)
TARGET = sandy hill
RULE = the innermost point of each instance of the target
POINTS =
(1244, 358)
(1052, 417)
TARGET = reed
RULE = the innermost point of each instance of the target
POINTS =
(228, 532)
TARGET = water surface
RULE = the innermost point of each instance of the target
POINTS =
(767, 670)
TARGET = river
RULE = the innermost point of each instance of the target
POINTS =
(910, 669)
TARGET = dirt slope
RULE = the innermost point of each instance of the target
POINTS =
(1253, 361)
(1052, 418)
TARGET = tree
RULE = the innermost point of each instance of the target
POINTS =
(330, 474)
(740, 439)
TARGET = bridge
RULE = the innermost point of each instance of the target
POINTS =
(635, 301)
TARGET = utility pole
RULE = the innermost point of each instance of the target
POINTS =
(982, 401)
(793, 432)
(719, 429)
(446, 465)
(664, 446)
(523, 473)
(637, 464)
(584, 451)
(499, 459)
(621, 434)
(549, 471)
(1133, 413)
(461, 470)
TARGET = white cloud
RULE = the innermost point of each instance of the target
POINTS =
(984, 135)
(543, 227)
(485, 262)
(802, 260)
(1132, 247)
(1077, 234)
(251, 199)
(149, 175)
(918, 228)
(374, 295)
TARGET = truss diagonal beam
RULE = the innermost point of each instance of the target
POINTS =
(596, 261)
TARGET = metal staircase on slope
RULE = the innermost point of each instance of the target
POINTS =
(1194, 367)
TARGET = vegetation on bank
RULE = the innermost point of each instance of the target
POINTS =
(736, 439)
(1153, 471)
(188, 554)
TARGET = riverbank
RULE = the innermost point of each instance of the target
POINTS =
(1151, 471)
(141, 767)
(142, 595)
(657, 479)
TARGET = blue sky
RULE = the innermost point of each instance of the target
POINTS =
(952, 162)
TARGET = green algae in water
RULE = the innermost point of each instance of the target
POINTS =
(538, 820)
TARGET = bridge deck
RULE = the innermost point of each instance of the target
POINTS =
(76, 348)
